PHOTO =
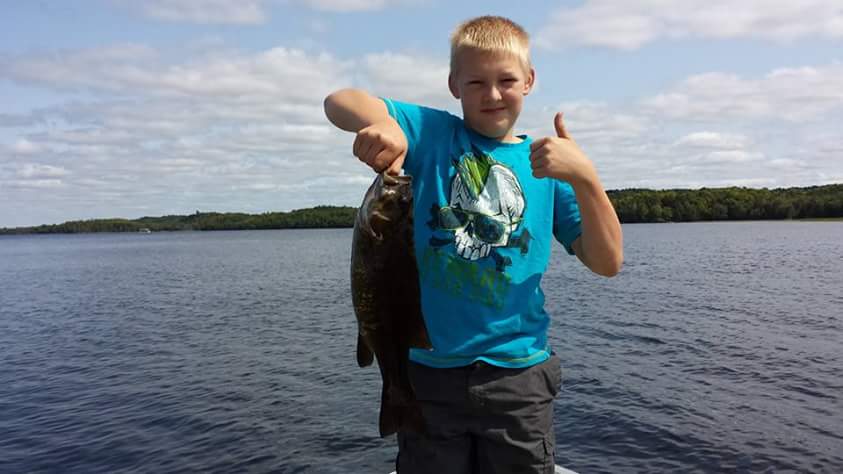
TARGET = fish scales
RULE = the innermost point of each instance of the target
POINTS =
(385, 294)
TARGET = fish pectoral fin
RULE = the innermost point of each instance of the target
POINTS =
(420, 340)
(417, 335)
(365, 357)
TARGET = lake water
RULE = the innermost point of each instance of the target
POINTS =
(719, 348)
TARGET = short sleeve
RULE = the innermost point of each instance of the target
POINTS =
(421, 125)
(566, 215)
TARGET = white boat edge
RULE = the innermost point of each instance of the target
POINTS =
(559, 470)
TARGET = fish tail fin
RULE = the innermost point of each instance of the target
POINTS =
(412, 419)
(389, 416)
(364, 354)
(404, 417)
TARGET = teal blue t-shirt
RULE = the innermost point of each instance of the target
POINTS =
(483, 232)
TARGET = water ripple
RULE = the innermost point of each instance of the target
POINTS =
(713, 351)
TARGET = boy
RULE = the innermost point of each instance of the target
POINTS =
(486, 205)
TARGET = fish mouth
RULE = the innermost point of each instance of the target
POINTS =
(388, 179)
(392, 180)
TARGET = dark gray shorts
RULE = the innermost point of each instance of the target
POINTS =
(483, 419)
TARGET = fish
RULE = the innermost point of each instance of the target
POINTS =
(386, 297)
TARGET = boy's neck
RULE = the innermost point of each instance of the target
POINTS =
(509, 137)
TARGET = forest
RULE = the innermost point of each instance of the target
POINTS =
(317, 217)
(718, 204)
(632, 206)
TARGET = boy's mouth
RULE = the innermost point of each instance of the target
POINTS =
(493, 110)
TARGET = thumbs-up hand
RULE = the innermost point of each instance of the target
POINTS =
(559, 157)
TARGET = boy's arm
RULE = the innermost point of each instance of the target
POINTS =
(380, 142)
(600, 246)
(354, 109)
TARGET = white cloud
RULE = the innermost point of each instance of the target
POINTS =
(713, 140)
(281, 76)
(787, 94)
(36, 184)
(409, 78)
(717, 130)
(237, 131)
(346, 5)
(25, 147)
(720, 157)
(201, 11)
(227, 120)
(36, 171)
(69, 70)
(634, 23)
(179, 163)
(242, 12)
(595, 122)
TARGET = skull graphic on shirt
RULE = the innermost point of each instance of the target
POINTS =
(486, 206)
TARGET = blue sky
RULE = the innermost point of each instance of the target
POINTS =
(117, 108)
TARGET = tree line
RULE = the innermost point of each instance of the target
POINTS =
(316, 217)
(734, 203)
(632, 205)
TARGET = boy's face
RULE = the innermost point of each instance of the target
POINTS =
(491, 88)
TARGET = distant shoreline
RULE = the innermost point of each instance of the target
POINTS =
(15, 231)
(312, 218)
(815, 203)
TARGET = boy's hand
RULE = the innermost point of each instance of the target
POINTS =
(559, 157)
(382, 146)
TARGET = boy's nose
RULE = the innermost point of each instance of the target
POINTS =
(494, 94)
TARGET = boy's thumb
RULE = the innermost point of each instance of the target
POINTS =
(395, 168)
(560, 126)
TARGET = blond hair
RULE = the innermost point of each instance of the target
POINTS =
(491, 34)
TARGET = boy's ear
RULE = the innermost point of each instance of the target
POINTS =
(530, 82)
(452, 85)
